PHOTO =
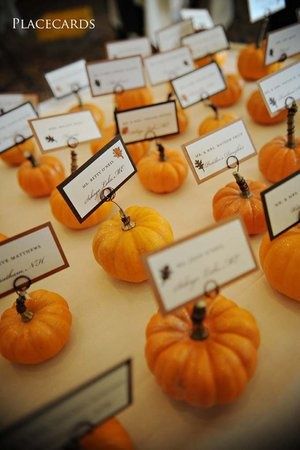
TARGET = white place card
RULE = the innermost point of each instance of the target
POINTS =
(110, 168)
(200, 17)
(282, 43)
(64, 421)
(281, 204)
(169, 37)
(166, 66)
(59, 131)
(129, 47)
(147, 122)
(206, 42)
(67, 79)
(10, 101)
(115, 75)
(180, 272)
(35, 253)
(278, 88)
(14, 127)
(258, 9)
(207, 155)
(199, 84)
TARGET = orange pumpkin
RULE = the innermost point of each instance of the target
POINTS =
(97, 112)
(39, 178)
(259, 112)
(219, 58)
(280, 261)
(251, 63)
(242, 197)
(136, 150)
(16, 155)
(280, 157)
(36, 332)
(133, 98)
(218, 120)
(232, 93)
(163, 171)
(111, 435)
(118, 245)
(204, 358)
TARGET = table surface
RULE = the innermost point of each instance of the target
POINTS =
(110, 317)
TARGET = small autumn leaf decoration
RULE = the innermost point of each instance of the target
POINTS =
(272, 101)
(165, 273)
(97, 83)
(199, 164)
(117, 152)
(50, 139)
(124, 130)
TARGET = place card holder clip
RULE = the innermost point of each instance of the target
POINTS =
(72, 143)
(21, 291)
(200, 332)
(108, 195)
(75, 88)
(240, 180)
(291, 107)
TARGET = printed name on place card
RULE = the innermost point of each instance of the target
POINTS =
(206, 42)
(282, 43)
(129, 47)
(67, 79)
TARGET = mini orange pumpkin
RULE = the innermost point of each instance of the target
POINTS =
(251, 63)
(136, 150)
(280, 157)
(39, 178)
(16, 155)
(259, 112)
(232, 93)
(111, 435)
(242, 197)
(280, 261)
(97, 112)
(218, 120)
(119, 244)
(36, 332)
(163, 171)
(133, 98)
(204, 358)
(219, 58)
(63, 213)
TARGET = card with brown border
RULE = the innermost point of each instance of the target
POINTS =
(199, 84)
(110, 167)
(11, 100)
(147, 122)
(180, 272)
(14, 127)
(128, 47)
(115, 75)
(207, 154)
(280, 87)
(207, 42)
(166, 66)
(64, 421)
(35, 253)
(282, 43)
(258, 9)
(281, 203)
(56, 132)
(68, 79)
(169, 37)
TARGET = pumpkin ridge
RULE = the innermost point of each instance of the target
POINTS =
(228, 205)
(212, 369)
(227, 346)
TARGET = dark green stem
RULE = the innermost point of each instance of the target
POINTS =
(243, 185)
(22, 310)
(199, 332)
(161, 151)
(32, 160)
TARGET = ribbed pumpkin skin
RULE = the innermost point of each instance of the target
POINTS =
(276, 161)
(95, 110)
(228, 202)
(41, 180)
(203, 373)
(43, 336)
(119, 252)
(231, 95)
(111, 435)
(65, 216)
(163, 177)
(133, 98)
(136, 151)
(258, 111)
(280, 261)
(15, 156)
(211, 123)
(251, 64)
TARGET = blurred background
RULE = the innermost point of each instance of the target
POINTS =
(25, 55)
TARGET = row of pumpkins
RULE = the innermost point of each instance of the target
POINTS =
(212, 339)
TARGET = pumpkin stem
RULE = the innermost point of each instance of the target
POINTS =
(30, 157)
(199, 332)
(291, 143)
(215, 109)
(22, 310)
(74, 164)
(161, 151)
(127, 224)
(243, 185)
(262, 32)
